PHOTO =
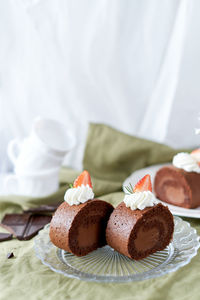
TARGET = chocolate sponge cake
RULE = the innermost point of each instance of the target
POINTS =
(139, 226)
(79, 223)
(139, 233)
(80, 229)
(178, 187)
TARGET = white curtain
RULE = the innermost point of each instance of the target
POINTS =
(133, 64)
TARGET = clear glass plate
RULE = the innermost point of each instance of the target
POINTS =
(107, 265)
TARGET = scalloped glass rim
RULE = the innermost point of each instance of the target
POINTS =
(178, 254)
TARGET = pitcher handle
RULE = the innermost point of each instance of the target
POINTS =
(13, 150)
(10, 183)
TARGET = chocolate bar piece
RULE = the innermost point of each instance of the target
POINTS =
(43, 208)
(5, 236)
(10, 255)
(24, 226)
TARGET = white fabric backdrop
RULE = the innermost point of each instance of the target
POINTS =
(131, 64)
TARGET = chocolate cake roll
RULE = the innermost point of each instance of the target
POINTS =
(139, 233)
(80, 229)
(178, 187)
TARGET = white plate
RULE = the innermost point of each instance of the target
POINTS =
(176, 210)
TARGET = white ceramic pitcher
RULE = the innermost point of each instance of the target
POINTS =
(45, 147)
(37, 159)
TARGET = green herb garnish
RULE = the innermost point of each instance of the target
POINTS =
(129, 189)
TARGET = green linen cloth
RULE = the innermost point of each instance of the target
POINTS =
(110, 156)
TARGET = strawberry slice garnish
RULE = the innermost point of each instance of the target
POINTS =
(84, 178)
(143, 184)
(196, 154)
(196, 151)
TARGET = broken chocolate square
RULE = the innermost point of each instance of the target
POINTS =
(24, 226)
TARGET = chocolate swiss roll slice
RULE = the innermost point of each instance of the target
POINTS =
(178, 187)
(139, 233)
(78, 227)
(178, 184)
(138, 226)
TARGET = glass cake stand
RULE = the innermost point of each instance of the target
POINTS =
(107, 265)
